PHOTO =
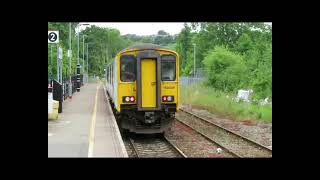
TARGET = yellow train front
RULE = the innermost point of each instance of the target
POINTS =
(143, 85)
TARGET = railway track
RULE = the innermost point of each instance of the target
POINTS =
(154, 147)
(224, 151)
(235, 143)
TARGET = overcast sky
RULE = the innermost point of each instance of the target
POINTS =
(147, 28)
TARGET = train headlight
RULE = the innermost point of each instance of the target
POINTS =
(164, 98)
(167, 98)
(128, 99)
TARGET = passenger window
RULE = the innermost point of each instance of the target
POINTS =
(128, 68)
(168, 68)
(108, 74)
(111, 75)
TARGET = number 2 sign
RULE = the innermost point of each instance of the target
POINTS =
(53, 36)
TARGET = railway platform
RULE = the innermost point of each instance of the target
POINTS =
(86, 128)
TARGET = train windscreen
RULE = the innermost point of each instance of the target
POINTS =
(127, 68)
(168, 68)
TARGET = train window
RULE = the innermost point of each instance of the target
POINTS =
(168, 68)
(111, 75)
(107, 74)
(128, 68)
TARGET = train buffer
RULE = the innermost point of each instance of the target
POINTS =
(86, 128)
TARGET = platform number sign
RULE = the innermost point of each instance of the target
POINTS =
(53, 36)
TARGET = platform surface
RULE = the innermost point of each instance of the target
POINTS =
(86, 128)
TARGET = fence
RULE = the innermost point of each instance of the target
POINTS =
(186, 81)
(60, 91)
(200, 75)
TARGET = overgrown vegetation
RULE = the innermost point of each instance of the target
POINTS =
(222, 104)
(234, 55)
(226, 70)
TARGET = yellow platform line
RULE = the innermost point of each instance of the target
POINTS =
(93, 124)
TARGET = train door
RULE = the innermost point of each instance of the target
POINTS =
(148, 83)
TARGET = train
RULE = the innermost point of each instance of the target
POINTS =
(142, 83)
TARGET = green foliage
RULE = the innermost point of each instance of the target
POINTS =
(217, 102)
(104, 43)
(244, 43)
(63, 29)
(188, 66)
(261, 80)
(249, 43)
(184, 45)
(172, 46)
(235, 55)
(226, 70)
(162, 38)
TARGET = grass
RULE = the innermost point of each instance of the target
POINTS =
(217, 102)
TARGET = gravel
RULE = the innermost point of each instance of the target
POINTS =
(228, 140)
(259, 132)
(191, 143)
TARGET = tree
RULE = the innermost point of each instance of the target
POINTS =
(104, 43)
(261, 80)
(184, 45)
(162, 32)
(244, 43)
(226, 70)
(162, 38)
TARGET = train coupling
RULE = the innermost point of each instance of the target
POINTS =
(149, 117)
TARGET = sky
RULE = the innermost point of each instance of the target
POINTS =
(141, 28)
(147, 28)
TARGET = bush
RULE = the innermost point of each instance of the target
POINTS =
(261, 76)
(226, 70)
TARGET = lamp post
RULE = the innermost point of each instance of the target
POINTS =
(69, 55)
(78, 66)
(87, 64)
(83, 69)
(194, 60)
(51, 60)
(78, 61)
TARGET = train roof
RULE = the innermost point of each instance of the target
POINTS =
(145, 46)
